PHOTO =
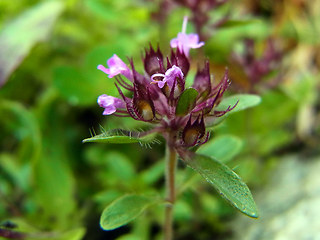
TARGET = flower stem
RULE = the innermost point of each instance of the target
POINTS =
(171, 162)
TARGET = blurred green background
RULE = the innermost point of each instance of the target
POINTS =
(55, 187)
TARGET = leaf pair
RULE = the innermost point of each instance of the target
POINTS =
(223, 179)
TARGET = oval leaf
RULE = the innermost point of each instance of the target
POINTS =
(245, 101)
(124, 210)
(121, 137)
(226, 182)
(223, 148)
(186, 101)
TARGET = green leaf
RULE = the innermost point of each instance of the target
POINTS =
(82, 85)
(25, 127)
(73, 234)
(124, 210)
(226, 182)
(120, 137)
(223, 148)
(18, 174)
(79, 87)
(129, 237)
(54, 184)
(236, 23)
(34, 233)
(120, 166)
(186, 101)
(153, 174)
(20, 35)
(245, 101)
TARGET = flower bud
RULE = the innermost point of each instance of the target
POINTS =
(194, 132)
(153, 61)
(145, 110)
(143, 107)
(202, 81)
(179, 59)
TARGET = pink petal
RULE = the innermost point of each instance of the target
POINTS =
(110, 104)
(116, 67)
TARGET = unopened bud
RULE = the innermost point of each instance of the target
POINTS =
(145, 110)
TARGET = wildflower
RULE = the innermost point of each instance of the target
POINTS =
(184, 42)
(179, 114)
(116, 66)
(156, 96)
(110, 104)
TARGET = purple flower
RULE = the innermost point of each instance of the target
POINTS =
(163, 102)
(186, 41)
(169, 77)
(116, 66)
(110, 104)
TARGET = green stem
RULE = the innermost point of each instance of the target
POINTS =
(171, 162)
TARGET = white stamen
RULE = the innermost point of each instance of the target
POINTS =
(157, 75)
(184, 25)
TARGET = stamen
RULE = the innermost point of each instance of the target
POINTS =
(157, 75)
(184, 25)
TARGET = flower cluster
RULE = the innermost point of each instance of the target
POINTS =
(257, 68)
(156, 95)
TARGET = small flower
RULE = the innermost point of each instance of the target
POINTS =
(116, 66)
(169, 77)
(186, 41)
(110, 104)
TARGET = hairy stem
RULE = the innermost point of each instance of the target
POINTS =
(171, 162)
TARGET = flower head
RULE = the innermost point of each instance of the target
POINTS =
(184, 42)
(159, 96)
